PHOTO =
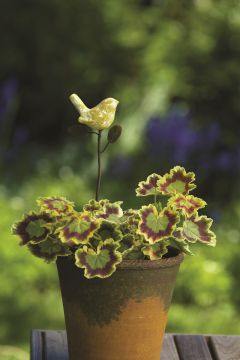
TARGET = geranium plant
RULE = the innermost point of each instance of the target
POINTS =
(102, 234)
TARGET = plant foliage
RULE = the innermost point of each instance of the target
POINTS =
(102, 235)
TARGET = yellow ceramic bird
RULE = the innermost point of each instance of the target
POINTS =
(99, 117)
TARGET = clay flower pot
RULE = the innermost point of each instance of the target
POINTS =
(122, 317)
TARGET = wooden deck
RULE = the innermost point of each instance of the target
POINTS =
(52, 345)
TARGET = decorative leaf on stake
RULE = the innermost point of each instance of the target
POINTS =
(156, 251)
(177, 181)
(55, 205)
(114, 133)
(101, 263)
(79, 229)
(149, 187)
(49, 249)
(189, 204)
(32, 228)
(156, 226)
(198, 229)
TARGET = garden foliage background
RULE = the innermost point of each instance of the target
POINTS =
(174, 67)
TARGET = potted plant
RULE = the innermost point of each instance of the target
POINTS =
(117, 268)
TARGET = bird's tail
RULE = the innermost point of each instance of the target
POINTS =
(77, 103)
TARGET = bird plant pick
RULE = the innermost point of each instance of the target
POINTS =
(102, 234)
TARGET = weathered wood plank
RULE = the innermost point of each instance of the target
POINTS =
(225, 347)
(192, 347)
(36, 345)
(55, 345)
(52, 345)
(169, 350)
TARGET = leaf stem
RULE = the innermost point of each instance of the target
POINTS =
(105, 147)
(99, 164)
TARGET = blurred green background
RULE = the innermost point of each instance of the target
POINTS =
(174, 67)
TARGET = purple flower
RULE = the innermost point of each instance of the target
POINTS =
(228, 160)
(173, 135)
(8, 92)
(121, 166)
(9, 89)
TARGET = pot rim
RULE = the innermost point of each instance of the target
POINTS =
(151, 264)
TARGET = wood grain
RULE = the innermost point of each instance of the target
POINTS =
(36, 345)
(192, 347)
(56, 345)
(225, 347)
(52, 345)
(169, 350)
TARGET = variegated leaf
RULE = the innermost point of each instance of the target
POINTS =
(109, 230)
(189, 204)
(155, 226)
(149, 187)
(130, 221)
(34, 227)
(93, 206)
(49, 249)
(184, 247)
(178, 181)
(131, 242)
(56, 205)
(198, 229)
(156, 251)
(79, 229)
(101, 263)
(110, 211)
(134, 254)
(126, 245)
(105, 209)
(180, 242)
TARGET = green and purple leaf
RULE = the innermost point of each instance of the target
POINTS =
(198, 229)
(130, 243)
(149, 187)
(178, 181)
(49, 249)
(155, 226)
(134, 254)
(56, 205)
(104, 209)
(156, 251)
(109, 230)
(110, 211)
(189, 204)
(32, 228)
(130, 220)
(79, 229)
(93, 206)
(101, 263)
(180, 242)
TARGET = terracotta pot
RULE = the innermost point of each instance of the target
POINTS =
(122, 317)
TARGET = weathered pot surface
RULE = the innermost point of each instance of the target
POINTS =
(121, 317)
